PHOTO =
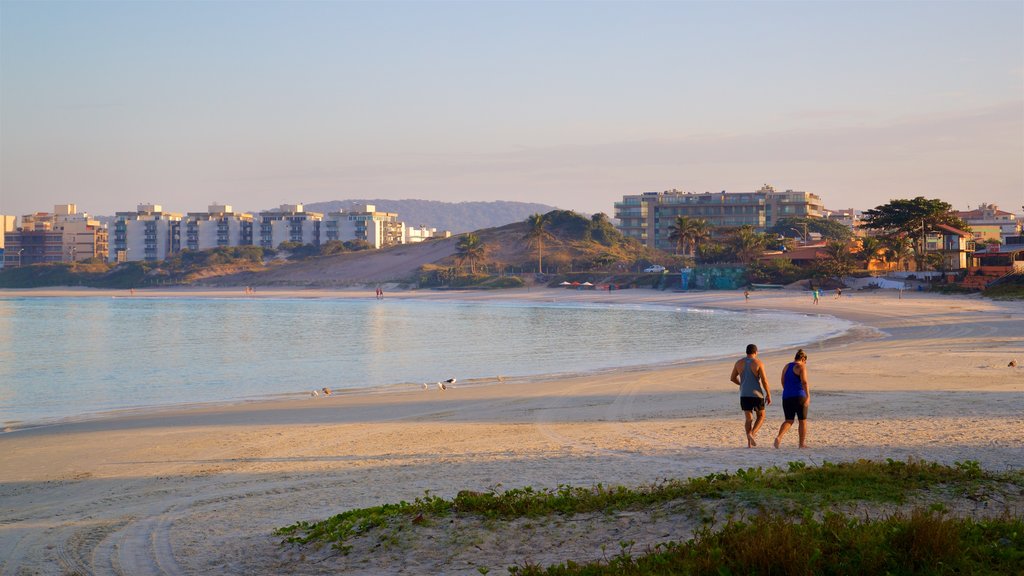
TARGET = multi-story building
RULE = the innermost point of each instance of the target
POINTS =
(648, 216)
(7, 224)
(289, 223)
(847, 217)
(378, 229)
(218, 226)
(988, 222)
(421, 233)
(65, 235)
(148, 234)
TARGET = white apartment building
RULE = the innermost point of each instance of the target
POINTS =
(289, 223)
(219, 226)
(378, 229)
(148, 234)
(414, 234)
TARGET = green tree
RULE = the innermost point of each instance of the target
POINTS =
(747, 244)
(688, 233)
(914, 218)
(536, 234)
(870, 246)
(470, 249)
(793, 227)
(898, 249)
(838, 261)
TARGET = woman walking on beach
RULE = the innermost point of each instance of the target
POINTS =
(796, 397)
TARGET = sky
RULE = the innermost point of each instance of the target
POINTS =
(573, 104)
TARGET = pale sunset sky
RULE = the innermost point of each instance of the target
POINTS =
(573, 104)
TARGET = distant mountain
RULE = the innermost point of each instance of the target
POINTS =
(455, 216)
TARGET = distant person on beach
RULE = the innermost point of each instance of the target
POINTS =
(796, 397)
(746, 294)
(815, 294)
(748, 373)
(839, 293)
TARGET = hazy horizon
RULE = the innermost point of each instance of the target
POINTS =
(572, 104)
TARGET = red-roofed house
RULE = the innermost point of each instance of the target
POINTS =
(955, 245)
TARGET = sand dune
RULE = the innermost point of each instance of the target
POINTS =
(199, 491)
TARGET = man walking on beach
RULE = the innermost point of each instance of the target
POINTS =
(748, 373)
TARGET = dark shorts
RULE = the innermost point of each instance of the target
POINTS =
(794, 408)
(751, 403)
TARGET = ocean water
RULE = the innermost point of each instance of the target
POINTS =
(75, 357)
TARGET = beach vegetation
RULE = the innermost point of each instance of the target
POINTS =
(812, 491)
(470, 250)
(912, 219)
(772, 542)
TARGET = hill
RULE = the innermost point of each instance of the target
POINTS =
(458, 217)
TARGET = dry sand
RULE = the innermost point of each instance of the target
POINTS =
(199, 490)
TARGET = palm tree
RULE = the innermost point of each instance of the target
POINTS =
(688, 234)
(898, 248)
(536, 234)
(838, 261)
(747, 244)
(869, 248)
(470, 249)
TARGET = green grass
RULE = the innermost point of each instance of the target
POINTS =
(799, 485)
(921, 542)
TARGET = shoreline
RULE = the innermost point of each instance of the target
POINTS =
(850, 333)
(200, 490)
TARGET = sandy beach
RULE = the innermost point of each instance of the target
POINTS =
(200, 490)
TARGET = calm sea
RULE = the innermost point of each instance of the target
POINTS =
(73, 357)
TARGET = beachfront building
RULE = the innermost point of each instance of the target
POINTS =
(955, 246)
(648, 216)
(219, 226)
(64, 235)
(378, 229)
(419, 234)
(988, 222)
(148, 234)
(289, 223)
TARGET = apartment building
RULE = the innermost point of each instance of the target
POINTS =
(289, 223)
(64, 235)
(648, 216)
(7, 224)
(847, 217)
(378, 229)
(415, 234)
(988, 222)
(219, 226)
(148, 234)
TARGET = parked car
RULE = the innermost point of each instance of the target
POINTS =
(655, 268)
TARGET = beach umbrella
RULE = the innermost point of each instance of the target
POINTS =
(586, 284)
(565, 284)
(575, 283)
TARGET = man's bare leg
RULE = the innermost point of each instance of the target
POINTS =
(802, 431)
(755, 428)
(748, 426)
(782, 431)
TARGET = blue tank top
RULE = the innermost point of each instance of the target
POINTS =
(792, 387)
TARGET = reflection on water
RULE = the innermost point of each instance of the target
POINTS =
(66, 357)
